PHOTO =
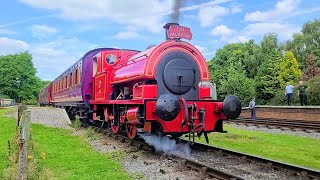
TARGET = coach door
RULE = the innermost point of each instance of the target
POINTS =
(99, 78)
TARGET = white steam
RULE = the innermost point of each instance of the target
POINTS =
(168, 146)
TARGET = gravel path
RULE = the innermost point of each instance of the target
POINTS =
(276, 131)
(48, 116)
(145, 165)
(237, 166)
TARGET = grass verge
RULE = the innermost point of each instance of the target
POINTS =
(286, 148)
(7, 130)
(67, 156)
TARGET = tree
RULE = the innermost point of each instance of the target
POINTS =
(269, 43)
(311, 32)
(306, 42)
(266, 80)
(289, 70)
(268, 70)
(313, 92)
(251, 60)
(237, 83)
(312, 69)
(17, 77)
(222, 60)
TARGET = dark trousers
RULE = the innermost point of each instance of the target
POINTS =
(253, 113)
(289, 99)
(303, 99)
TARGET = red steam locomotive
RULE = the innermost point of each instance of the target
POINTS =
(164, 89)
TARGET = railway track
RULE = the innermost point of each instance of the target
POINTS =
(295, 125)
(299, 171)
(202, 168)
(207, 169)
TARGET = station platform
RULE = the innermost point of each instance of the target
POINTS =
(286, 107)
(306, 113)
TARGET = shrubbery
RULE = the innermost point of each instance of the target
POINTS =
(313, 94)
(31, 102)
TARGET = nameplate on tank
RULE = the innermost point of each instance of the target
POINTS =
(178, 32)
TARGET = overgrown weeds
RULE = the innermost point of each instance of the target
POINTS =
(117, 155)
(90, 133)
(34, 166)
(137, 175)
(77, 123)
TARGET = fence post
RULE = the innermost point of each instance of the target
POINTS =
(21, 108)
(23, 148)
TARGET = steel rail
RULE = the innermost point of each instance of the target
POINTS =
(203, 168)
(299, 170)
(303, 125)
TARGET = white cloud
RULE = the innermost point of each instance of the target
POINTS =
(211, 53)
(229, 35)
(284, 31)
(239, 39)
(43, 31)
(11, 46)
(144, 14)
(50, 58)
(222, 31)
(208, 15)
(54, 57)
(201, 48)
(8, 32)
(282, 8)
(127, 35)
(203, 5)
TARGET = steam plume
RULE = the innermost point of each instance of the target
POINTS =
(176, 11)
(168, 146)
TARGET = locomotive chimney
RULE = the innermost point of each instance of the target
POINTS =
(166, 27)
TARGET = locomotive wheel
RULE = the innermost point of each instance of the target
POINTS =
(131, 131)
(115, 128)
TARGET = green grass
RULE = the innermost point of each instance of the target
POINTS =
(7, 130)
(67, 156)
(286, 148)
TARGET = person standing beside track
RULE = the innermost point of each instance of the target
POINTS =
(302, 88)
(252, 107)
(288, 93)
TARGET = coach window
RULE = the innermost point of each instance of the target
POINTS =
(79, 77)
(111, 59)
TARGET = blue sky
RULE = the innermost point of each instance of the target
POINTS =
(57, 33)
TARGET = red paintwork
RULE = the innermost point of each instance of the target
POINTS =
(145, 91)
(134, 101)
(143, 65)
(131, 71)
(177, 32)
(131, 131)
(204, 92)
(213, 113)
(133, 115)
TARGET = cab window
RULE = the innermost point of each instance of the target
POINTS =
(111, 59)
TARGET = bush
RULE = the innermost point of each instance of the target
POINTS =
(281, 100)
(31, 102)
(313, 94)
